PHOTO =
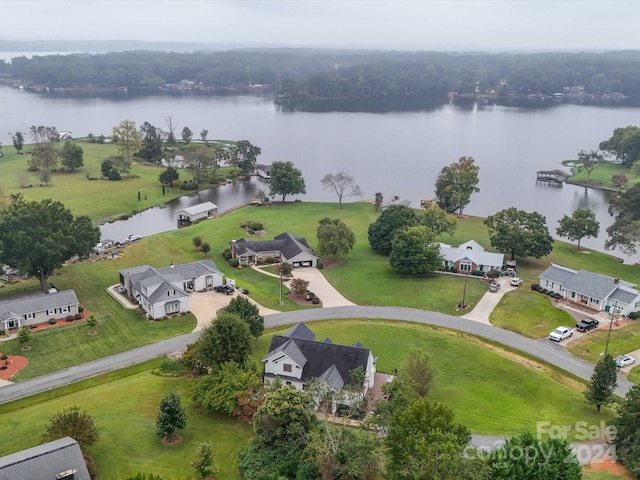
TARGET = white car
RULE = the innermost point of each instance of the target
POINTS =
(516, 282)
(560, 334)
(624, 360)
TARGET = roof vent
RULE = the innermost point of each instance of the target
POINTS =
(66, 475)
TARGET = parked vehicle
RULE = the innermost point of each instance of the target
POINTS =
(133, 238)
(226, 289)
(624, 360)
(494, 287)
(516, 281)
(587, 324)
(560, 333)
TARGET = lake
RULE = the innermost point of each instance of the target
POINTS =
(395, 152)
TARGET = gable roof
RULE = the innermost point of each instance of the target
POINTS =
(557, 273)
(324, 360)
(301, 331)
(288, 244)
(472, 245)
(45, 461)
(475, 254)
(37, 303)
(199, 208)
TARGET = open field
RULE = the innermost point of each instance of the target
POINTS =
(472, 378)
(622, 341)
(602, 173)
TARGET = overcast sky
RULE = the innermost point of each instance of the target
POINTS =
(416, 25)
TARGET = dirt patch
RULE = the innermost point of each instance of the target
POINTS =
(608, 466)
(174, 439)
(301, 300)
(14, 364)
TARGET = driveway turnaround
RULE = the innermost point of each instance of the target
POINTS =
(542, 349)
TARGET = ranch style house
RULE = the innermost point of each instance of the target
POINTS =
(27, 310)
(286, 247)
(470, 256)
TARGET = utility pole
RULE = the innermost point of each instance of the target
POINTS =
(464, 291)
(281, 303)
(613, 314)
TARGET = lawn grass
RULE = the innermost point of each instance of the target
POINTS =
(529, 313)
(602, 173)
(472, 378)
(622, 341)
(588, 474)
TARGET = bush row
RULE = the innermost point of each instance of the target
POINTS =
(540, 289)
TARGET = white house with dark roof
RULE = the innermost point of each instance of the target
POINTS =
(37, 308)
(58, 460)
(593, 290)
(264, 171)
(470, 256)
(296, 357)
(165, 291)
(286, 247)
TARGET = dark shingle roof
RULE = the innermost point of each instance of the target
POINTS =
(286, 243)
(301, 331)
(45, 462)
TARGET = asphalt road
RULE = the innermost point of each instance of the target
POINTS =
(542, 349)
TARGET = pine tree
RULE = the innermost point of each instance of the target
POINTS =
(603, 381)
(172, 416)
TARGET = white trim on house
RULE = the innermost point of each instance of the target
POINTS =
(470, 256)
(197, 212)
(37, 308)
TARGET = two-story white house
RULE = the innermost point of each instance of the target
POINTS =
(165, 291)
(593, 290)
(296, 356)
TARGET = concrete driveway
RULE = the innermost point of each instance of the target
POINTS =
(319, 285)
(204, 306)
(489, 301)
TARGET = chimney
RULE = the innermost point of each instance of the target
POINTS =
(233, 248)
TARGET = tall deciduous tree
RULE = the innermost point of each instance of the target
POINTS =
(525, 457)
(456, 183)
(581, 224)
(417, 371)
(382, 231)
(286, 179)
(377, 201)
(342, 183)
(204, 466)
(72, 422)
(247, 311)
(172, 416)
(150, 143)
(199, 159)
(603, 382)
(624, 144)
(72, 156)
(171, 125)
(248, 155)
(226, 339)
(624, 233)
(412, 252)
(335, 238)
(187, 135)
(38, 237)
(519, 233)
(18, 141)
(437, 221)
(44, 155)
(627, 424)
(127, 138)
(587, 161)
(425, 443)
(203, 135)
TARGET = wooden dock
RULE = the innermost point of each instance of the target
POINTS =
(551, 177)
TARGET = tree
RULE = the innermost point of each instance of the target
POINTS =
(624, 233)
(619, 180)
(286, 180)
(382, 231)
(126, 138)
(24, 335)
(205, 248)
(223, 388)
(204, 465)
(113, 167)
(72, 156)
(203, 135)
(18, 141)
(341, 182)
(169, 176)
(377, 202)
(199, 159)
(45, 176)
(627, 425)
(335, 238)
(424, 443)
(226, 339)
(248, 155)
(197, 242)
(299, 286)
(44, 155)
(603, 382)
(171, 130)
(417, 372)
(587, 161)
(247, 311)
(456, 183)
(525, 457)
(187, 135)
(437, 221)
(413, 253)
(72, 422)
(172, 417)
(624, 144)
(582, 223)
(150, 143)
(38, 237)
(519, 233)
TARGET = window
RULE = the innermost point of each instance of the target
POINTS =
(172, 308)
(28, 316)
(64, 309)
(51, 311)
(465, 266)
(286, 367)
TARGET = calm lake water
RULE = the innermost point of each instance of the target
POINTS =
(395, 152)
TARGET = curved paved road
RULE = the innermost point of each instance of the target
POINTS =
(542, 349)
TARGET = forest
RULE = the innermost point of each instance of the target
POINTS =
(298, 74)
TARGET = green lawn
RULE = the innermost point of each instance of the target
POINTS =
(602, 173)
(529, 313)
(472, 379)
(589, 347)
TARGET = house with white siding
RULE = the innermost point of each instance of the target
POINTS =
(593, 290)
(27, 310)
(470, 256)
(286, 247)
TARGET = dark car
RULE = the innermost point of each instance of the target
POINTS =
(586, 324)
(226, 289)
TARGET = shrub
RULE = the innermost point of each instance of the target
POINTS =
(77, 316)
(80, 308)
(250, 231)
(234, 262)
(493, 274)
(315, 300)
(634, 315)
(91, 321)
(69, 318)
(454, 270)
(535, 286)
(257, 226)
(270, 260)
(189, 186)
(24, 334)
(226, 254)
(286, 268)
(52, 321)
(319, 265)
(3, 357)
(299, 286)
(477, 273)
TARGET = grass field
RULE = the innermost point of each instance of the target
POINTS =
(602, 173)
(473, 378)
(623, 341)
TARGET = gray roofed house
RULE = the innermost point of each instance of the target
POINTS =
(593, 290)
(286, 247)
(296, 357)
(165, 291)
(470, 256)
(37, 308)
(188, 215)
(58, 460)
